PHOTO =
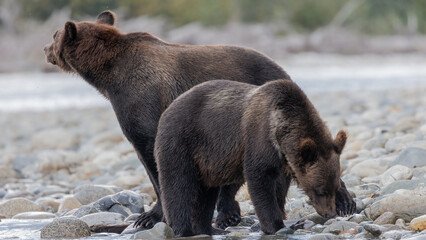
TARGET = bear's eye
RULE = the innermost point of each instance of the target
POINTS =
(54, 35)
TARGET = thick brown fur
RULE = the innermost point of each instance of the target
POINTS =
(222, 133)
(141, 75)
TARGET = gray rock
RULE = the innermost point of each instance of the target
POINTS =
(301, 232)
(132, 218)
(19, 163)
(358, 218)
(410, 157)
(159, 231)
(284, 231)
(402, 184)
(84, 210)
(339, 226)
(318, 228)
(376, 142)
(65, 227)
(132, 230)
(330, 221)
(365, 189)
(316, 218)
(34, 215)
(115, 203)
(324, 236)
(247, 221)
(396, 234)
(395, 173)
(385, 218)
(374, 229)
(406, 207)
(238, 229)
(2, 193)
(90, 193)
(351, 180)
(255, 227)
(19, 194)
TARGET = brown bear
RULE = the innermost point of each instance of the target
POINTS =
(141, 75)
(221, 133)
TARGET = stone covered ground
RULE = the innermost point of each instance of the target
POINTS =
(70, 173)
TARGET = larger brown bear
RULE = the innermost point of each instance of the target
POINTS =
(141, 75)
(222, 132)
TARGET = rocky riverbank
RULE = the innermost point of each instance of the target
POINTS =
(71, 173)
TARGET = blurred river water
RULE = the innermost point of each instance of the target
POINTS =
(315, 73)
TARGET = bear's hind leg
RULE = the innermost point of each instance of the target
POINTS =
(229, 213)
(281, 188)
(203, 211)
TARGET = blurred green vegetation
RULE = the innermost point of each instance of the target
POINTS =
(369, 16)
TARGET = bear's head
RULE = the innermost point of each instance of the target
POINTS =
(81, 45)
(318, 172)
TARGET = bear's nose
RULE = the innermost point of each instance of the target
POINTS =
(45, 48)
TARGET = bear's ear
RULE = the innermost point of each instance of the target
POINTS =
(308, 151)
(70, 31)
(106, 17)
(340, 141)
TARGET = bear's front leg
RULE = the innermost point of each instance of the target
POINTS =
(261, 185)
(345, 205)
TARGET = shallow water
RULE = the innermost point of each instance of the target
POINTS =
(313, 72)
(30, 229)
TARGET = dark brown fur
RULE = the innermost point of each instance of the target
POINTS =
(221, 133)
(141, 75)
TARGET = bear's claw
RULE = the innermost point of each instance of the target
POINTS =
(345, 205)
(148, 219)
(225, 220)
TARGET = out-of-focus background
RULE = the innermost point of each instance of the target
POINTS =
(361, 62)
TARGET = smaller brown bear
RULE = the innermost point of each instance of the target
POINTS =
(223, 132)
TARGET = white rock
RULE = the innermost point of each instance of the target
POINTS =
(399, 143)
(57, 138)
(34, 215)
(88, 193)
(14, 206)
(65, 227)
(395, 173)
(369, 168)
(52, 161)
(103, 218)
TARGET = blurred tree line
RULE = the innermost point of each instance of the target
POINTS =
(365, 16)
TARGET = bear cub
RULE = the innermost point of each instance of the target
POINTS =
(223, 132)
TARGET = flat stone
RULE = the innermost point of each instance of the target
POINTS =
(247, 221)
(88, 193)
(395, 173)
(411, 157)
(395, 234)
(114, 203)
(406, 207)
(418, 223)
(339, 226)
(366, 189)
(318, 228)
(14, 206)
(374, 229)
(402, 184)
(159, 231)
(351, 180)
(316, 218)
(34, 215)
(103, 218)
(385, 218)
(284, 231)
(358, 218)
(65, 227)
(376, 142)
(69, 203)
